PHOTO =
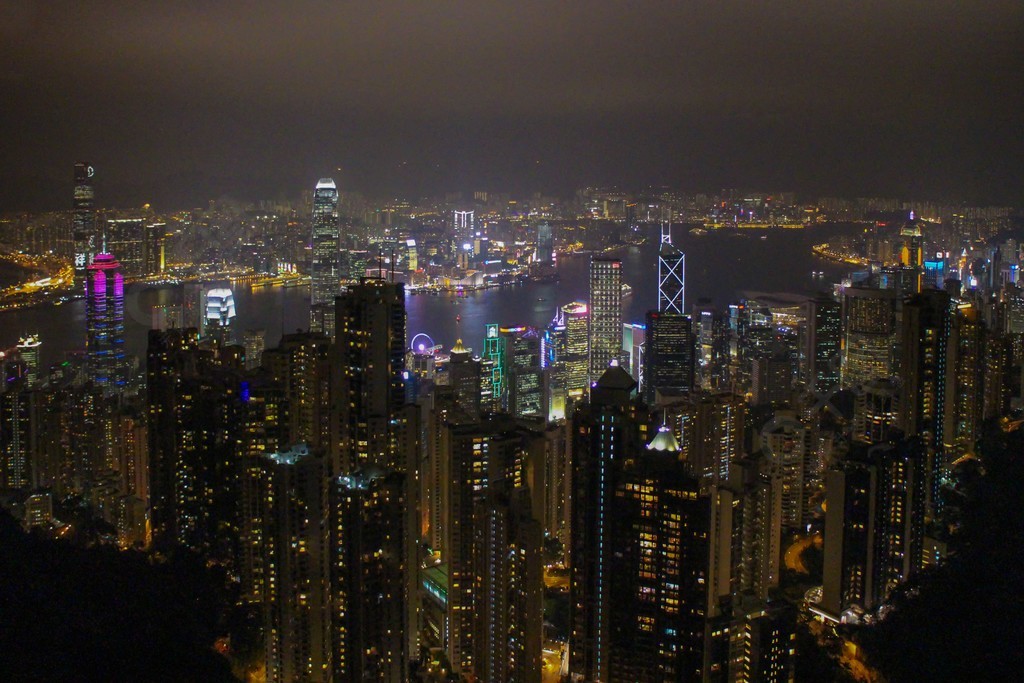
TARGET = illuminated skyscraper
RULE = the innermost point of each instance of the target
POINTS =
(869, 317)
(669, 356)
(824, 337)
(295, 559)
(573, 323)
(373, 562)
(367, 408)
(28, 350)
(83, 229)
(125, 239)
(105, 323)
(924, 369)
(463, 227)
(605, 314)
(324, 272)
(671, 275)
(545, 243)
(219, 314)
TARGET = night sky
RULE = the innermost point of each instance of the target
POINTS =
(179, 102)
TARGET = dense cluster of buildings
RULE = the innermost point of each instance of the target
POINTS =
(393, 512)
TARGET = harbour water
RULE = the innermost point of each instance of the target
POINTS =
(718, 266)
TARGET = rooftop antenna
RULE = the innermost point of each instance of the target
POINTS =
(666, 232)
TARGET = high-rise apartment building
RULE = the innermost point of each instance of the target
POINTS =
(924, 370)
(368, 389)
(372, 567)
(605, 339)
(295, 558)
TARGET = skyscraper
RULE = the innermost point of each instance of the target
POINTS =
(369, 388)
(573, 322)
(824, 337)
(324, 272)
(545, 243)
(671, 275)
(28, 350)
(869, 317)
(83, 228)
(924, 368)
(605, 314)
(669, 356)
(295, 561)
(105, 323)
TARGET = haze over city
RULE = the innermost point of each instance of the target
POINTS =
(183, 102)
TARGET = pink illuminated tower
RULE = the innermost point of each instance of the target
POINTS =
(105, 323)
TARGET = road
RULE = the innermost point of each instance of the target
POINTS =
(792, 557)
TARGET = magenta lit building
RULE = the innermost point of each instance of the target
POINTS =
(105, 323)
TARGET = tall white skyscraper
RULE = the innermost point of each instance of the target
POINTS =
(605, 314)
(324, 273)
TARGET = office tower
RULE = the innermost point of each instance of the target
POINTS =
(154, 241)
(367, 405)
(493, 455)
(295, 559)
(574, 320)
(545, 242)
(28, 351)
(874, 525)
(669, 355)
(524, 378)
(124, 238)
(219, 315)
(254, 342)
(605, 338)
(105, 323)
(492, 370)
(824, 342)
(412, 261)
(463, 227)
(771, 377)
(324, 275)
(671, 275)
(373, 561)
(875, 411)
(464, 376)
(869, 328)
(924, 371)
(633, 345)
(646, 554)
(508, 586)
(713, 339)
(17, 436)
(300, 365)
(83, 226)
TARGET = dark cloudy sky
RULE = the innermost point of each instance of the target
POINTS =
(178, 102)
